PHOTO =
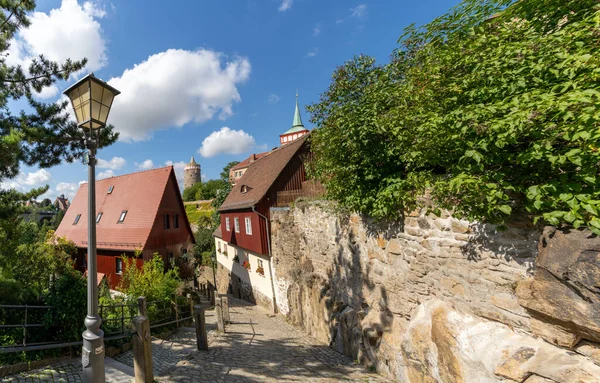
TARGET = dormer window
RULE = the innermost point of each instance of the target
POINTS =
(76, 219)
(110, 189)
(244, 189)
(122, 217)
(98, 217)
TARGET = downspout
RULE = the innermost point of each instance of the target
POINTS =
(270, 257)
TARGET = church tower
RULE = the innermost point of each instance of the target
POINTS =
(297, 129)
(191, 174)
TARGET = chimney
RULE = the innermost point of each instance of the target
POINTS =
(253, 157)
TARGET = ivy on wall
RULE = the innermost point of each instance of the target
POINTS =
(493, 108)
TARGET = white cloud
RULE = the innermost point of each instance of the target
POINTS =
(317, 30)
(359, 11)
(105, 174)
(174, 88)
(178, 167)
(226, 141)
(204, 177)
(312, 53)
(114, 164)
(68, 189)
(147, 164)
(273, 98)
(285, 5)
(71, 31)
(24, 182)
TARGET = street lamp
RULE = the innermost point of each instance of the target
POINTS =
(91, 99)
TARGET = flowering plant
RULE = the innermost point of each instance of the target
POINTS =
(260, 270)
(246, 265)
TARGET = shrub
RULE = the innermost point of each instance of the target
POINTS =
(68, 297)
(151, 281)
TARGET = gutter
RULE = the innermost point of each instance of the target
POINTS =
(270, 256)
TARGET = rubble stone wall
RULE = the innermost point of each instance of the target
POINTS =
(438, 299)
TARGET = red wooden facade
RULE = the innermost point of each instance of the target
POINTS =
(156, 194)
(290, 178)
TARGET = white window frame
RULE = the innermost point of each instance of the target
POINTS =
(122, 216)
(248, 224)
(236, 224)
(227, 225)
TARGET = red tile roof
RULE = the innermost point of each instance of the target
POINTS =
(139, 193)
(245, 163)
(259, 177)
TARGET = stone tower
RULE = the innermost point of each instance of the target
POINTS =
(191, 174)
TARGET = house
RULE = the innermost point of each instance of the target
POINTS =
(137, 215)
(61, 203)
(243, 241)
(236, 172)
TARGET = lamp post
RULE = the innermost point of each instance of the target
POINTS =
(91, 99)
(213, 259)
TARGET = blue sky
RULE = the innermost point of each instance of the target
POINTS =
(214, 79)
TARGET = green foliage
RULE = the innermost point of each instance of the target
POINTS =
(493, 116)
(217, 202)
(209, 189)
(203, 190)
(189, 194)
(151, 281)
(225, 173)
(202, 217)
(204, 247)
(68, 297)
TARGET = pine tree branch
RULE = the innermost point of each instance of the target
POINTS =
(36, 77)
(11, 14)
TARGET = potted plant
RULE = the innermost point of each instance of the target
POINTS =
(236, 259)
(260, 270)
(246, 265)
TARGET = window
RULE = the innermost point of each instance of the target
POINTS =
(227, 226)
(122, 217)
(171, 261)
(119, 265)
(248, 223)
(236, 223)
(110, 189)
(98, 217)
(260, 270)
(166, 220)
(244, 189)
(76, 219)
(175, 221)
(285, 139)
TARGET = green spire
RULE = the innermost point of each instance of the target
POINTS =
(297, 118)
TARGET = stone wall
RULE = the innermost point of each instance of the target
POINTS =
(437, 299)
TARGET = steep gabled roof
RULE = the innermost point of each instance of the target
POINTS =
(259, 177)
(245, 163)
(139, 193)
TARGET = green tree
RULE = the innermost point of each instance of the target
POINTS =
(205, 246)
(491, 115)
(210, 188)
(151, 281)
(41, 136)
(225, 173)
(189, 194)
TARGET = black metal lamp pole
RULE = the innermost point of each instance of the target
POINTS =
(92, 99)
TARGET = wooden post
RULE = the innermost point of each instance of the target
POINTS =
(142, 311)
(219, 309)
(225, 302)
(142, 350)
(201, 337)
(175, 310)
(211, 294)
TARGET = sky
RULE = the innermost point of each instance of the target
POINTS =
(210, 78)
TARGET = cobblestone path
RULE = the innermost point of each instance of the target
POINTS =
(258, 347)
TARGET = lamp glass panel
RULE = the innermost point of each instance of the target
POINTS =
(85, 110)
(96, 91)
(107, 97)
(103, 113)
(96, 110)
